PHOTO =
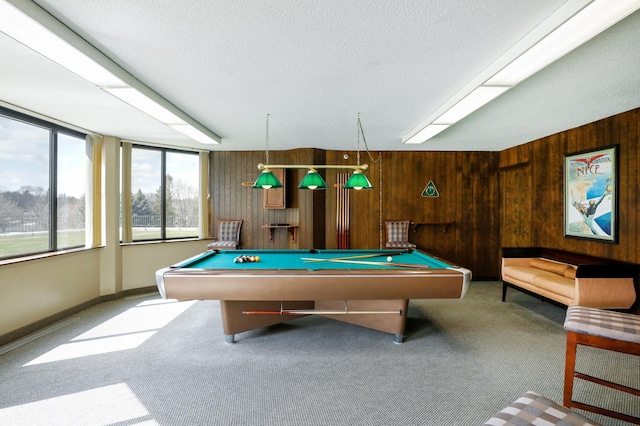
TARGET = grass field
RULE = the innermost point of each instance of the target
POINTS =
(16, 244)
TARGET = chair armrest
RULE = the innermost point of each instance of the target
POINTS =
(611, 293)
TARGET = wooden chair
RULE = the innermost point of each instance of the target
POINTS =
(608, 330)
(398, 234)
(228, 235)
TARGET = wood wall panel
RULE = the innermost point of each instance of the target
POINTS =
(468, 187)
(515, 184)
(633, 192)
(547, 185)
(231, 200)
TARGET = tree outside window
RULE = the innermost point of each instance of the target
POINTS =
(40, 211)
(165, 191)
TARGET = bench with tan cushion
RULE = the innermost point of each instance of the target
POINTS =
(594, 285)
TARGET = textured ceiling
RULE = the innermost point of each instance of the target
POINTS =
(313, 66)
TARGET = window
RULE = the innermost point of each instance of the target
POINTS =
(71, 154)
(164, 194)
(42, 186)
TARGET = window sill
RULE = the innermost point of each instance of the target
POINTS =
(21, 259)
(177, 240)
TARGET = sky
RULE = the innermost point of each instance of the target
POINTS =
(24, 161)
(24, 155)
(145, 169)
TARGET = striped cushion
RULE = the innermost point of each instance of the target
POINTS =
(400, 244)
(533, 409)
(598, 322)
(223, 245)
(228, 231)
(398, 234)
(397, 231)
(228, 235)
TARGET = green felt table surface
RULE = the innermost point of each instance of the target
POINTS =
(297, 259)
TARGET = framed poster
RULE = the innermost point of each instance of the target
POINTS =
(590, 195)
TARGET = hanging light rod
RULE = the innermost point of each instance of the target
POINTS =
(362, 167)
(313, 180)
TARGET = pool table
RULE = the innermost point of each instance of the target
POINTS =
(370, 288)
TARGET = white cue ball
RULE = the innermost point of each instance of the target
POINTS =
(389, 259)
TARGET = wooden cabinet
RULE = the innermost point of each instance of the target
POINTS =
(275, 198)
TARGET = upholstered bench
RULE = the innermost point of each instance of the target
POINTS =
(534, 409)
(598, 328)
(567, 278)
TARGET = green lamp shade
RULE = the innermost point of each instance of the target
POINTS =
(358, 181)
(267, 180)
(313, 181)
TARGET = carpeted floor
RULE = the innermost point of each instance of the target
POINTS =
(145, 361)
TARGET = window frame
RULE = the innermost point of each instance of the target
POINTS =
(54, 130)
(126, 236)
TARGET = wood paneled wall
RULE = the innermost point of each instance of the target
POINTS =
(468, 187)
(542, 162)
(467, 183)
(230, 199)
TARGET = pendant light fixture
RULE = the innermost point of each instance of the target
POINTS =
(267, 179)
(358, 180)
(312, 180)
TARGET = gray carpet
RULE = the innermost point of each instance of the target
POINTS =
(143, 361)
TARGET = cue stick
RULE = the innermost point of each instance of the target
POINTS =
(364, 256)
(362, 262)
(339, 215)
(319, 312)
(341, 219)
(347, 214)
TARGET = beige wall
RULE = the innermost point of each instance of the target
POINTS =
(141, 261)
(36, 289)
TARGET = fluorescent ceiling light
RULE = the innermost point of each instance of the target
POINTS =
(473, 101)
(32, 26)
(479, 97)
(24, 29)
(145, 104)
(586, 24)
(583, 26)
(196, 134)
(427, 133)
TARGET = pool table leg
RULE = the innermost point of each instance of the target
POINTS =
(229, 338)
(398, 338)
